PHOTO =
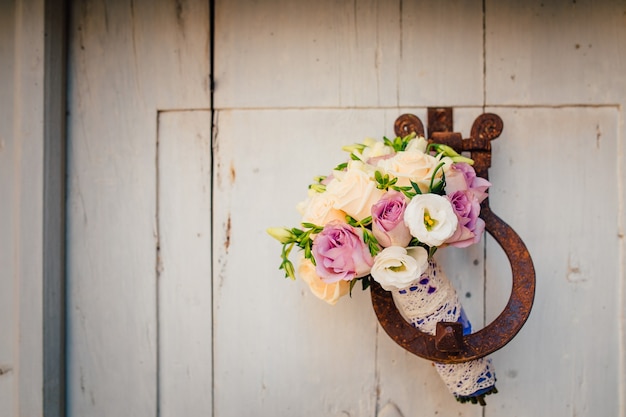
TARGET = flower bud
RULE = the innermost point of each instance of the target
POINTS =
(282, 234)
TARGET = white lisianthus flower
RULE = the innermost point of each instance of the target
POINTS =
(430, 218)
(396, 267)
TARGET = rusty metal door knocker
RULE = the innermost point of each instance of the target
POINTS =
(449, 345)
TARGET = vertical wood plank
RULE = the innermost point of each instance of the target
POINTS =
(31, 231)
(184, 273)
(128, 60)
(54, 195)
(565, 360)
(22, 143)
(8, 209)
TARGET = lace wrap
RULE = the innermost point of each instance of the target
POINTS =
(430, 299)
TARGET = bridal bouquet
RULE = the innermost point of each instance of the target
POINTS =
(381, 215)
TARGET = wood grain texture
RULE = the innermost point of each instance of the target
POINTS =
(366, 53)
(9, 206)
(295, 81)
(184, 271)
(21, 187)
(128, 60)
(555, 53)
(566, 358)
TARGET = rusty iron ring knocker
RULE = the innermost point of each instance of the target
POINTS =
(449, 345)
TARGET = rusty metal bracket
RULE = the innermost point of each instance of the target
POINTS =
(449, 345)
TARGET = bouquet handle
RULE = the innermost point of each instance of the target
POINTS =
(449, 345)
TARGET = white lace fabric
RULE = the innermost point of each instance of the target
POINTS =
(428, 300)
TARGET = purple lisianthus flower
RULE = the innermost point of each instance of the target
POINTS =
(388, 220)
(470, 228)
(340, 253)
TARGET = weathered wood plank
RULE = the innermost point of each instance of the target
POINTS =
(128, 60)
(54, 216)
(8, 208)
(367, 53)
(556, 182)
(184, 272)
(587, 39)
(22, 239)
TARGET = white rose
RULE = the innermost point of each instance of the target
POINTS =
(396, 267)
(430, 218)
(354, 192)
(319, 209)
(411, 165)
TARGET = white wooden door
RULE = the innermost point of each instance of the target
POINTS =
(139, 262)
(176, 304)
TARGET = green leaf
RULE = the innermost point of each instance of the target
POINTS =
(341, 166)
(416, 188)
(365, 282)
(352, 283)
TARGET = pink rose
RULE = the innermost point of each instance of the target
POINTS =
(388, 220)
(340, 253)
(461, 176)
(470, 227)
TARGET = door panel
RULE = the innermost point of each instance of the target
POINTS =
(129, 60)
(184, 263)
(176, 303)
(557, 181)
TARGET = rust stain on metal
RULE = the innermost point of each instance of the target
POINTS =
(407, 124)
(447, 346)
(439, 120)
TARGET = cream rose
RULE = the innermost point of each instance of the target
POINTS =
(396, 267)
(430, 218)
(354, 192)
(330, 293)
(319, 209)
(411, 165)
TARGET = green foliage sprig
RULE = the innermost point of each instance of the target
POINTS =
(294, 237)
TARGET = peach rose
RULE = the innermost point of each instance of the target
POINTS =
(330, 293)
